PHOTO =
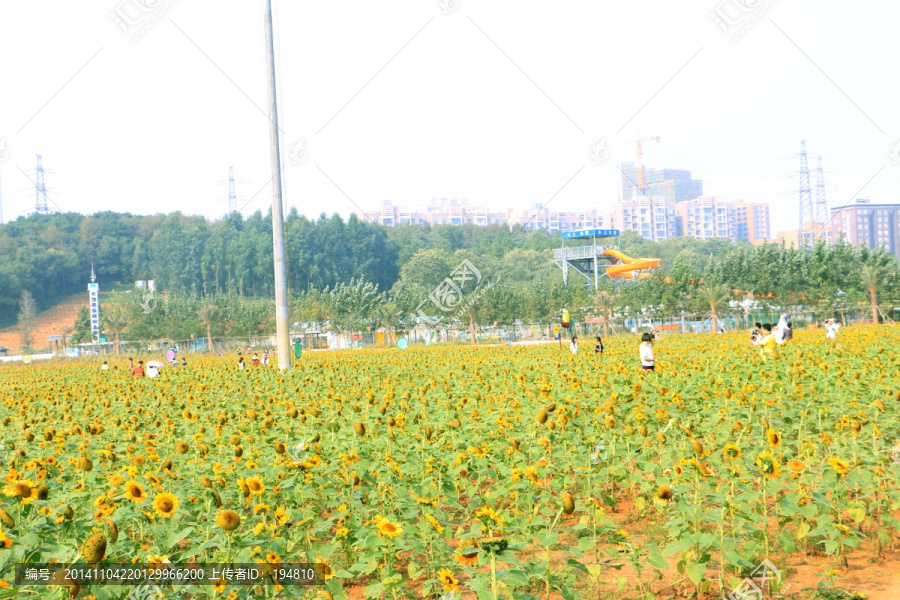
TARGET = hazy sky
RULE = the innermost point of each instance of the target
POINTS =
(499, 102)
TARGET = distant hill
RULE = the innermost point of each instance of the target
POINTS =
(49, 322)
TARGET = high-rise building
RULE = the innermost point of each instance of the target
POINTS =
(806, 237)
(675, 185)
(704, 218)
(752, 222)
(867, 224)
(652, 218)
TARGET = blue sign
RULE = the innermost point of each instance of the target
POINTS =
(590, 233)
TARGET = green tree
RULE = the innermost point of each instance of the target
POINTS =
(27, 315)
(208, 314)
(871, 277)
(712, 295)
(115, 320)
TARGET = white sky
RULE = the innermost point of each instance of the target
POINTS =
(153, 125)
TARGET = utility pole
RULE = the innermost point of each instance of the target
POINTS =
(282, 320)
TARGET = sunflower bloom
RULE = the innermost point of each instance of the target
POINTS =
(388, 529)
(255, 485)
(165, 504)
(134, 492)
(731, 452)
(450, 583)
(462, 554)
(768, 464)
(839, 465)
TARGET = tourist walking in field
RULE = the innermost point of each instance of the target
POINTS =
(574, 345)
(789, 332)
(138, 371)
(648, 362)
(598, 349)
(254, 361)
(152, 371)
(831, 329)
(104, 366)
(241, 362)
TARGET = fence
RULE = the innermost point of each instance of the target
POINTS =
(666, 324)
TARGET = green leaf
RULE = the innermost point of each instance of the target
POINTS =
(695, 572)
(585, 544)
(576, 565)
(658, 561)
(802, 530)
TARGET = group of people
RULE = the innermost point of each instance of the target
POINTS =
(253, 361)
(151, 370)
(648, 362)
(768, 336)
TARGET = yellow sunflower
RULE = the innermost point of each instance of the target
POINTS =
(839, 465)
(463, 557)
(773, 437)
(255, 485)
(388, 529)
(796, 465)
(731, 452)
(165, 504)
(450, 583)
(768, 464)
(134, 491)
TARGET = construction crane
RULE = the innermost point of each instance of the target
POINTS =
(640, 155)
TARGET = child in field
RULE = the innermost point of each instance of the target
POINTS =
(767, 342)
(574, 345)
(254, 361)
(598, 349)
(241, 362)
(756, 333)
(648, 363)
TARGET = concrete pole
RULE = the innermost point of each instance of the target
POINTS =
(282, 318)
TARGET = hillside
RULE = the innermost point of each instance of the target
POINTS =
(49, 322)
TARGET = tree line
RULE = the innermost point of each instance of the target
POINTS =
(216, 277)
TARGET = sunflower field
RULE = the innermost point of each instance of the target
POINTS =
(463, 472)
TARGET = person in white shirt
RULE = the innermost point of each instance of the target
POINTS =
(104, 366)
(831, 329)
(779, 336)
(648, 363)
(574, 345)
(152, 372)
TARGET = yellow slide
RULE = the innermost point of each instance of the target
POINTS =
(630, 266)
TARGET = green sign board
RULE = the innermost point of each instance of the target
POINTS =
(298, 349)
